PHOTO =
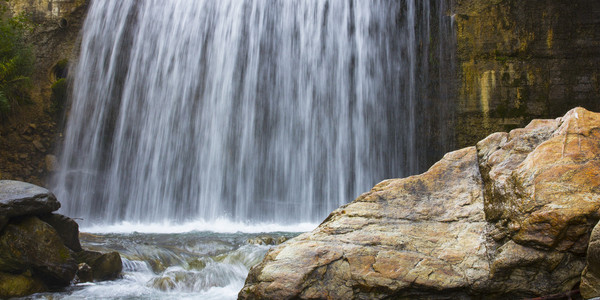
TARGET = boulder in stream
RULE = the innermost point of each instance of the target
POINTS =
(510, 218)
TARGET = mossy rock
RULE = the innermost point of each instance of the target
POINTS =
(12, 285)
(30, 244)
(59, 93)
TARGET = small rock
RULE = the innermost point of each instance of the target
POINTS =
(84, 273)
(105, 266)
(38, 145)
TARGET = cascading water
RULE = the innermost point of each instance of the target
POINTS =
(255, 110)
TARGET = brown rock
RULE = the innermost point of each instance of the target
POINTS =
(105, 266)
(509, 219)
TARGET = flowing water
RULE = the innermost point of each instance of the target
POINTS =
(272, 111)
(192, 121)
(191, 265)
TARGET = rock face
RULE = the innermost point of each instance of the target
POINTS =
(508, 218)
(520, 60)
(41, 250)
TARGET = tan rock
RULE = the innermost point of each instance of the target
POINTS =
(508, 219)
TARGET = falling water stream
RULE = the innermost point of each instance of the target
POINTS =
(248, 112)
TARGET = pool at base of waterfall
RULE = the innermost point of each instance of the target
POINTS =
(185, 265)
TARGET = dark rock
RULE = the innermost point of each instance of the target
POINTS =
(105, 266)
(30, 244)
(84, 273)
(12, 285)
(67, 229)
(25, 199)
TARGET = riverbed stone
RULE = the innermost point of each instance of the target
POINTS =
(30, 244)
(105, 266)
(510, 218)
(24, 199)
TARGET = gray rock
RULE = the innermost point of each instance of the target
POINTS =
(25, 199)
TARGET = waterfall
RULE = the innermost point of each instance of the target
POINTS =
(253, 110)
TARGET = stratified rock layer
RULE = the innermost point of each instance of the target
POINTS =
(510, 218)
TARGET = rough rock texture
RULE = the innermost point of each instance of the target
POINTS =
(33, 244)
(510, 218)
(21, 199)
(590, 278)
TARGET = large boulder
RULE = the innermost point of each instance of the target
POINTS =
(508, 219)
(30, 244)
(24, 199)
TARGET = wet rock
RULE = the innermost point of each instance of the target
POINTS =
(24, 199)
(20, 285)
(84, 273)
(30, 244)
(510, 218)
(266, 240)
(67, 229)
(105, 266)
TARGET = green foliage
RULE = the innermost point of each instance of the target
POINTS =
(16, 61)
(59, 94)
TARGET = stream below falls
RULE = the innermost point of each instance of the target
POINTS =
(185, 265)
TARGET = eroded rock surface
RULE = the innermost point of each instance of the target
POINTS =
(510, 218)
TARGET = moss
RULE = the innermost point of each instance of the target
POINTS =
(59, 94)
(60, 69)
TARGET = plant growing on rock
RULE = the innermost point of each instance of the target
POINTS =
(16, 61)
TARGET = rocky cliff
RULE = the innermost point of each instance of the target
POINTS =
(28, 137)
(508, 218)
(519, 60)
